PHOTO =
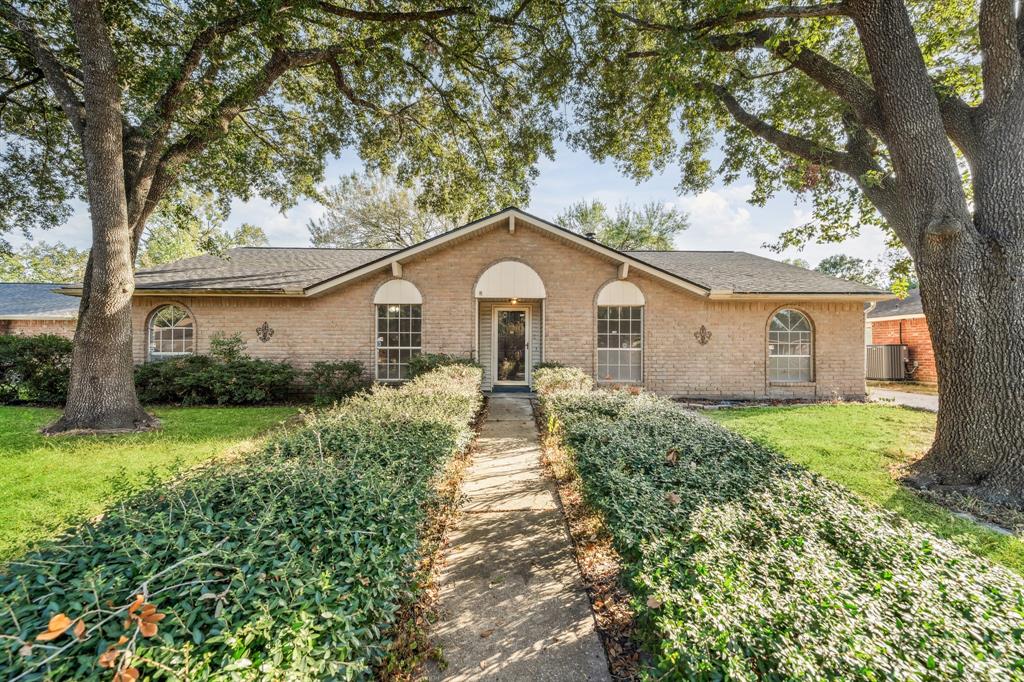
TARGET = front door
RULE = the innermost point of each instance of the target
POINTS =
(512, 346)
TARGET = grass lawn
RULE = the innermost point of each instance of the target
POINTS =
(47, 484)
(857, 445)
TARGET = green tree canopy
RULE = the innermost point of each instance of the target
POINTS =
(652, 226)
(44, 262)
(854, 269)
(377, 212)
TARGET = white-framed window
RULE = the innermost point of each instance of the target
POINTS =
(399, 338)
(172, 332)
(620, 343)
(790, 347)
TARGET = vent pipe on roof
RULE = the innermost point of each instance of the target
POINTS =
(590, 235)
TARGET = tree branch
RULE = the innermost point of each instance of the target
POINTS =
(844, 84)
(832, 9)
(787, 142)
(1000, 56)
(393, 17)
(48, 63)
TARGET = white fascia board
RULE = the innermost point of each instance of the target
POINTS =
(412, 251)
(890, 318)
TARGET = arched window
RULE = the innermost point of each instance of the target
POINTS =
(790, 347)
(171, 333)
(620, 332)
(399, 328)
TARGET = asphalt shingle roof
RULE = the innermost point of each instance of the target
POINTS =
(257, 269)
(36, 301)
(293, 269)
(746, 273)
(911, 305)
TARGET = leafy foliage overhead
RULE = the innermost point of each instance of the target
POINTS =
(44, 262)
(666, 82)
(250, 97)
(652, 226)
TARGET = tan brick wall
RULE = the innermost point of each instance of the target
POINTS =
(65, 328)
(914, 333)
(340, 325)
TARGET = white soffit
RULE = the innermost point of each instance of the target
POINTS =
(510, 279)
(400, 291)
(620, 293)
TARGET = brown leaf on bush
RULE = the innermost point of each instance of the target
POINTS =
(137, 604)
(58, 626)
(673, 498)
(653, 602)
(126, 675)
(672, 457)
(25, 650)
(79, 629)
(108, 659)
(147, 629)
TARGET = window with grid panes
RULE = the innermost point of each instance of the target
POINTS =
(620, 345)
(171, 333)
(399, 338)
(790, 344)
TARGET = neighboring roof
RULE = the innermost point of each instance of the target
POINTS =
(311, 271)
(20, 301)
(748, 274)
(907, 307)
(256, 269)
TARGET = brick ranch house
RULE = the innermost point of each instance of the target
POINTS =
(903, 322)
(31, 309)
(513, 290)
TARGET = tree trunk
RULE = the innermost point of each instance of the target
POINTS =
(101, 396)
(973, 294)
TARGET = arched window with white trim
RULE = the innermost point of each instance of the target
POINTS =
(398, 304)
(172, 332)
(620, 333)
(790, 347)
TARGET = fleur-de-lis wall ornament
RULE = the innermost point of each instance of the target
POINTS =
(702, 335)
(264, 332)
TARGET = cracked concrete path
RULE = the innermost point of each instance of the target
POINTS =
(512, 602)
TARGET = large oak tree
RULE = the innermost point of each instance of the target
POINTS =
(123, 102)
(907, 114)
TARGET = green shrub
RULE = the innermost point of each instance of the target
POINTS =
(427, 362)
(289, 564)
(227, 378)
(227, 348)
(744, 566)
(331, 382)
(553, 378)
(34, 369)
(549, 365)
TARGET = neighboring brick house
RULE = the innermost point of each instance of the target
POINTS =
(31, 309)
(903, 322)
(513, 290)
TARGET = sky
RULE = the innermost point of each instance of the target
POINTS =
(720, 218)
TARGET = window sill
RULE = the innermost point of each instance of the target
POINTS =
(793, 384)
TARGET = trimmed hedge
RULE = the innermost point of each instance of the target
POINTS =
(744, 566)
(427, 362)
(552, 378)
(34, 369)
(291, 563)
(331, 382)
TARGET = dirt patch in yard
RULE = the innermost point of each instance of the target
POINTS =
(598, 562)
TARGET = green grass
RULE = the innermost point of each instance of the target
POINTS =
(47, 484)
(858, 446)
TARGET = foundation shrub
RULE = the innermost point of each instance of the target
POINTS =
(426, 362)
(552, 377)
(290, 563)
(744, 566)
(34, 369)
(330, 382)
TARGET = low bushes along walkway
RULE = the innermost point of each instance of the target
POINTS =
(290, 563)
(744, 566)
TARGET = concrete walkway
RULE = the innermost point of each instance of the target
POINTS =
(512, 603)
(920, 401)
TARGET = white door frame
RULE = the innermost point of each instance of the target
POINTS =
(494, 344)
